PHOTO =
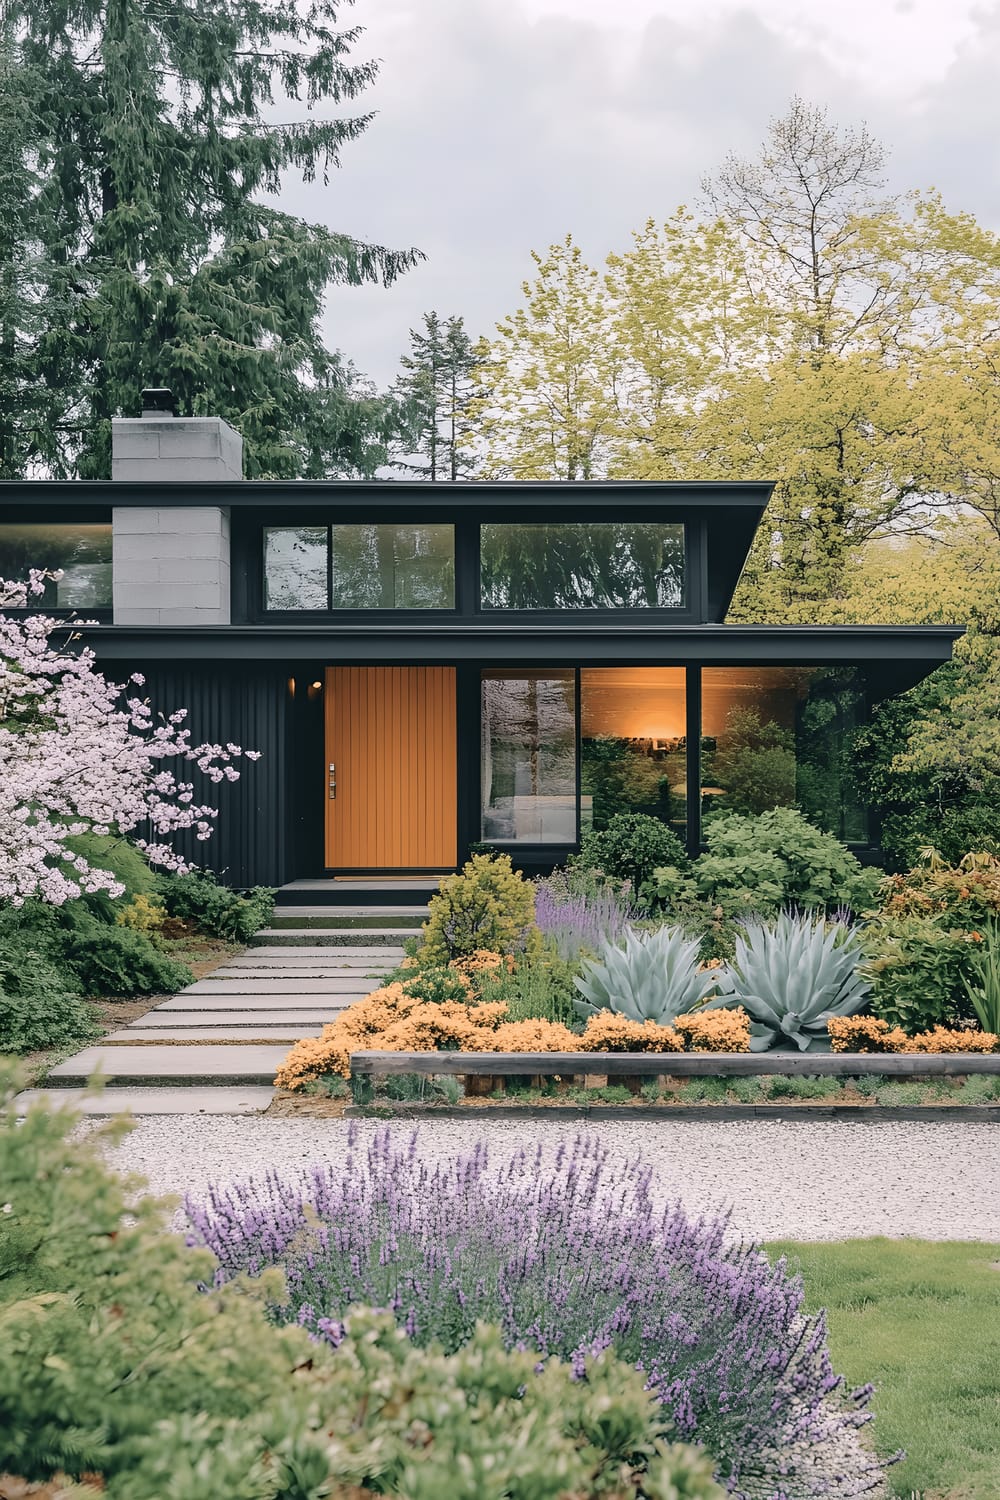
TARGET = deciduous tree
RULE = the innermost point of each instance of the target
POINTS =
(81, 754)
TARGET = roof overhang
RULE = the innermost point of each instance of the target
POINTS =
(894, 656)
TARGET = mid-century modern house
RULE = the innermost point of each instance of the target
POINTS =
(430, 667)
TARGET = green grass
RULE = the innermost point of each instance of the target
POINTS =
(921, 1320)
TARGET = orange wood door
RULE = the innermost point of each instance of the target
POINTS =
(390, 733)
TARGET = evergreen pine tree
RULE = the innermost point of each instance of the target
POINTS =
(152, 137)
(436, 389)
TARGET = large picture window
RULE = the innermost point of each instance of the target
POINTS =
(80, 552)
(529, 757)
(601, 565)
(782, 737)
(365, 566)
(633, 744)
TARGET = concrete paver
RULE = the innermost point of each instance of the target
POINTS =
(246, 1100)
(304, 986)
(240, 1030)
(201, 1064)
(154, 1020)
(206, 1004)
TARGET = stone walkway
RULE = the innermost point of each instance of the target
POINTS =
(225, 1035)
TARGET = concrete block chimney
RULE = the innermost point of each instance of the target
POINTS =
(171, 562)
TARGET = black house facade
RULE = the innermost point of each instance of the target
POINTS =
(430, 667)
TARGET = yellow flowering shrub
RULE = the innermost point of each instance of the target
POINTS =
(528, 1036)
(943, 1039)
(483, 961)
(865, 1034)
(608, 1032)
(715, 1030)
(143, 914)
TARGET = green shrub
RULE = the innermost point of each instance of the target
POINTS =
(121, 859)
(918, 969)
(435, 984)
(802, 1088)
(40, 1006)
(630, 848)
(115, 1364)
(540, 987)
(233, 916)
(119, 961)
(489, 905)
(813, 868)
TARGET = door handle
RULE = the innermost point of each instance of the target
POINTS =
(333, 782)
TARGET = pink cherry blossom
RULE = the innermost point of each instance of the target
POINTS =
(77, 755)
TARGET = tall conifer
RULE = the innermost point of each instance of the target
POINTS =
(156, 130)
(436, 389)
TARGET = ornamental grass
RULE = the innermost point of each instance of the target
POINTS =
(565, 1252)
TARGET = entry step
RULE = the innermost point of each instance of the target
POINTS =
(341, 937)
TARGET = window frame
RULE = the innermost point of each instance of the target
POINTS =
(62, 515)
(261, 614)
(675, 614)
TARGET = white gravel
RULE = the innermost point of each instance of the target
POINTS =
(803, 1179)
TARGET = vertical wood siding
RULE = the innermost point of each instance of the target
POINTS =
(391, 732)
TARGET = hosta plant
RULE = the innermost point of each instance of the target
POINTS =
(791, 975)
(652, 976)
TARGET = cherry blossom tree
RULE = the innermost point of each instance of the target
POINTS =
(82, 754)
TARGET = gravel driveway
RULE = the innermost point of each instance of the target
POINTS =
(797, 1179)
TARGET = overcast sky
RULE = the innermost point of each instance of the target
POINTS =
(504, 124)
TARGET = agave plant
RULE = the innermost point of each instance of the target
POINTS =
(652, 976)
(791, 975)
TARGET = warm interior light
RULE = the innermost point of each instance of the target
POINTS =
(316, 685)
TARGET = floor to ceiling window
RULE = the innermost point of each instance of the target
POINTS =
(633, 744)
(528, 777)
(781, 737)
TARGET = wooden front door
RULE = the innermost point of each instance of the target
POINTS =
(391, 752)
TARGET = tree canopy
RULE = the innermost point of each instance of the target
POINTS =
(149, 141)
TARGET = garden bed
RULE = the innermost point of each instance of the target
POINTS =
(657, 1086)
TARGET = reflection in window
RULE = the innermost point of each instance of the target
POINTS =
(393, 567)
(359, 567)
(633, 744)
(605, 565)
(295, 567)
(782, 737)
(529, 757)
(81, 552)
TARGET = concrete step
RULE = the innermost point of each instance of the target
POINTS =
(332, 920)
(284, 1033)
(157, 1066)
(325, 960)
(238, 1100)
(356, 913)
(169, 1020)
(209, 1005)
(307, 985)
(364, 937)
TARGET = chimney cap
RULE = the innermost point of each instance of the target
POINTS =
(158, 401)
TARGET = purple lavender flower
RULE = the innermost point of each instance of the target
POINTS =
(582, 919)
(568, 1257)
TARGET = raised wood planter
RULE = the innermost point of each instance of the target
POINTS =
(369, 1065)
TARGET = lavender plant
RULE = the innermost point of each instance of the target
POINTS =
(568, 1256)
(580, 912)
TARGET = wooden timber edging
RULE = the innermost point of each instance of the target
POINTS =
(374, 1064)
(847, 1113)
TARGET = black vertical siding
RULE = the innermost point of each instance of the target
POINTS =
(253, 842)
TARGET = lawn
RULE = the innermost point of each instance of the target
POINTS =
(921, 1320)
